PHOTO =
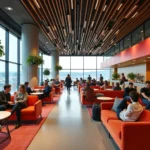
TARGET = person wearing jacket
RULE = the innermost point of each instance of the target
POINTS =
(5, 102)
(20, 101)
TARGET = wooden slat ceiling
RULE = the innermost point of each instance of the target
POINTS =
(87, 27)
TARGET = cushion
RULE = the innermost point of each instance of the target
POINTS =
(115, 105)
(28, 111)
(109, 114)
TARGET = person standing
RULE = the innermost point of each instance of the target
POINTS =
(5, 102)
(145, 95)
(101, 78)
(68, 83)
(20, 103)
(89, 78)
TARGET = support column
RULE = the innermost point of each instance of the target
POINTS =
(54, 62)
(30, 46)
(147, 71)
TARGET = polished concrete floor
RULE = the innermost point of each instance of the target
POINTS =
(69, 127)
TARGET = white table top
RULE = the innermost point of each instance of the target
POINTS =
(4, 114)
(104, 98)
(37, 93)
(108, 89)
(96, 89)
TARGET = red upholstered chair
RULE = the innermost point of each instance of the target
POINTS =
(32, 111)
(49, 99)
(39, 87)
(57, 89)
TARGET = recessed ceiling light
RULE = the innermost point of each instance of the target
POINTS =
(46, 42)
(9, 8)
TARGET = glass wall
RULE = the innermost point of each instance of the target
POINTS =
(10, 69)
(139, 34)
(81, 67)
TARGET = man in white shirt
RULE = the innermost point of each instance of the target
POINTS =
(130, 112)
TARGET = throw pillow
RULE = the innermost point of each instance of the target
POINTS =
(115, 105)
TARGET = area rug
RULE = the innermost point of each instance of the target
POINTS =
(22, 137)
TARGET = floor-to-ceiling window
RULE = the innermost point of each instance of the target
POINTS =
(2, 59)
(79, 67)
(10, 62)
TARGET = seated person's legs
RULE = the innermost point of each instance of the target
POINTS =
(3, 107)
(146, 102)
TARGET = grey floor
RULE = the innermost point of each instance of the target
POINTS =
(69, 127)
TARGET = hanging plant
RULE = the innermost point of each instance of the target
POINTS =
(58, 67)
(115, 76)
(46, 72)
(35, 60)
(1, 50)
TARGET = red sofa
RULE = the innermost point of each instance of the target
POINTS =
(32, 111)
(127, 135)
(112, 94)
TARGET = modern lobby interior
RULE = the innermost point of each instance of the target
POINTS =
(44, 41)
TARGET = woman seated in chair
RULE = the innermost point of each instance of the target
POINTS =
(117, 87)
(20, 103)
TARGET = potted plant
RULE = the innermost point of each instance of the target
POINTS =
(46, 72)
(58, 67)
(131, 76)
(115, 76)
(1, 50)
(35, 60)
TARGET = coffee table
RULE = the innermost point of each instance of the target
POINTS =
(4, 115)
(96, 89)
(104, 98)
(108, 89)
(37, 93)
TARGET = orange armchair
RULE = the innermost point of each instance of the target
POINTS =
(49, 98)
(32, 111)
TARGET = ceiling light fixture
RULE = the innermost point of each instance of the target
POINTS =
(36, 3)
(84, 26)
(9, 8)
(119, 6)
(96, 4)
(108, 34)
(131, 11)
(46, 42)
(92, 24)
(65, 32)
(71, 4)
(117, 31)
(51, 32)
(104, 7)
(134, 14)
(69, 22)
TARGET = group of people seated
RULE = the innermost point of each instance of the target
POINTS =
(20, 98)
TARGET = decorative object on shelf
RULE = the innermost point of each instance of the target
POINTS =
(35, 60)
(58, 67)
(1, 49)
(131, 76)
(46, 72)
(115, 76)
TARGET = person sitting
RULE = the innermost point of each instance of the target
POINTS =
(89, 94)
(132, 111)
(81, 81)
(28, 89)
(105, 84)
(57, 83)
(93, 83)
(5, 102)
(20, 101)
(51, 83)
(84, 84)
(46, 92)
(129, 89)
(77, 80)
(145, 95)
(117, 87)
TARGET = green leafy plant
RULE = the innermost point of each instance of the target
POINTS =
(131, 76)
(46, 72)
(58, 67)
(1, 49)
(35, 60)
(115, 76)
